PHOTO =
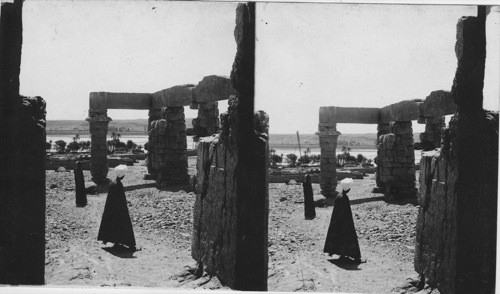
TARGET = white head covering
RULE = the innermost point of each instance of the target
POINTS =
(120, 170)
(346, 184)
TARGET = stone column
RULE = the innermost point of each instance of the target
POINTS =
(154, 114)
(172, 164)
(207, 123)
(99, 121)
(431, 138)
(382, 129)
(328, 136)
(397, 161)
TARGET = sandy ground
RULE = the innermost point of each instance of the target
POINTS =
(162, 222)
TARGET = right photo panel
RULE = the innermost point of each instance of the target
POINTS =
(383, 145)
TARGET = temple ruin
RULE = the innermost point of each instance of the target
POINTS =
(395, 174)
(167, 156)
(457, 221)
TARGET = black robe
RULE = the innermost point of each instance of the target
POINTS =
(116, 226)
(342, 238)
(81, 196)
(309, 210)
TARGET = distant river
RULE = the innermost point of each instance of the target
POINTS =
(367, 152)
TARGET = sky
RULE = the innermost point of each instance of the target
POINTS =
(307, 55)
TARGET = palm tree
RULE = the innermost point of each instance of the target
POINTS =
(76, 138)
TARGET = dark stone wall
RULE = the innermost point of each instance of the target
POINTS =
(232, 202)
(456, 226)
(22, 170)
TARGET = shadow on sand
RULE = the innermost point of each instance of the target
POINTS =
(137, 187)
(403, 201)
(120, 251)
(345, 263)
(364, 200)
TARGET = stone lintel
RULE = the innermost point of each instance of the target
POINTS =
(213, 88)
(438, 103)
(108, 100)
(173, 97)
(357, 115)
(407, 110)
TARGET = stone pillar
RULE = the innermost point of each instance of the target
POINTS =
(22, 162)
(382, 129)
(207, 122)
(397, 161)
(172, 163)
(153, 115)
(431, 138)
(328, 136)
(98, 120)
(230, 231)
(456, 231)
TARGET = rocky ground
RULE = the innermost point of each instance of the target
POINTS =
(162, 222)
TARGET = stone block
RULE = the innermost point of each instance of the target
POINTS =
(361, 115)
(401, 127)
(438, 103)
(108, 100)
(407, 110)
(213, 88)
(173, 97)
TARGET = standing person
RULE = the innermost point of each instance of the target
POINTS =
(342, 238)
(309, 210)
(116, 226)
(81, 196)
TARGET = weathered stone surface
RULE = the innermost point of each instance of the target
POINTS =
(167, 148)
(108, 100)
(98, 126)
(328, 163)
(395, 162)
(173, 97)
(456, 227)
(231, 208)
(22, 156)
(207, 123)
(460, 190)
(470, 49)
(407, 110)
(213, 88)
(382, 129)
(438, 103)
(360, 115)
(431, 138)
